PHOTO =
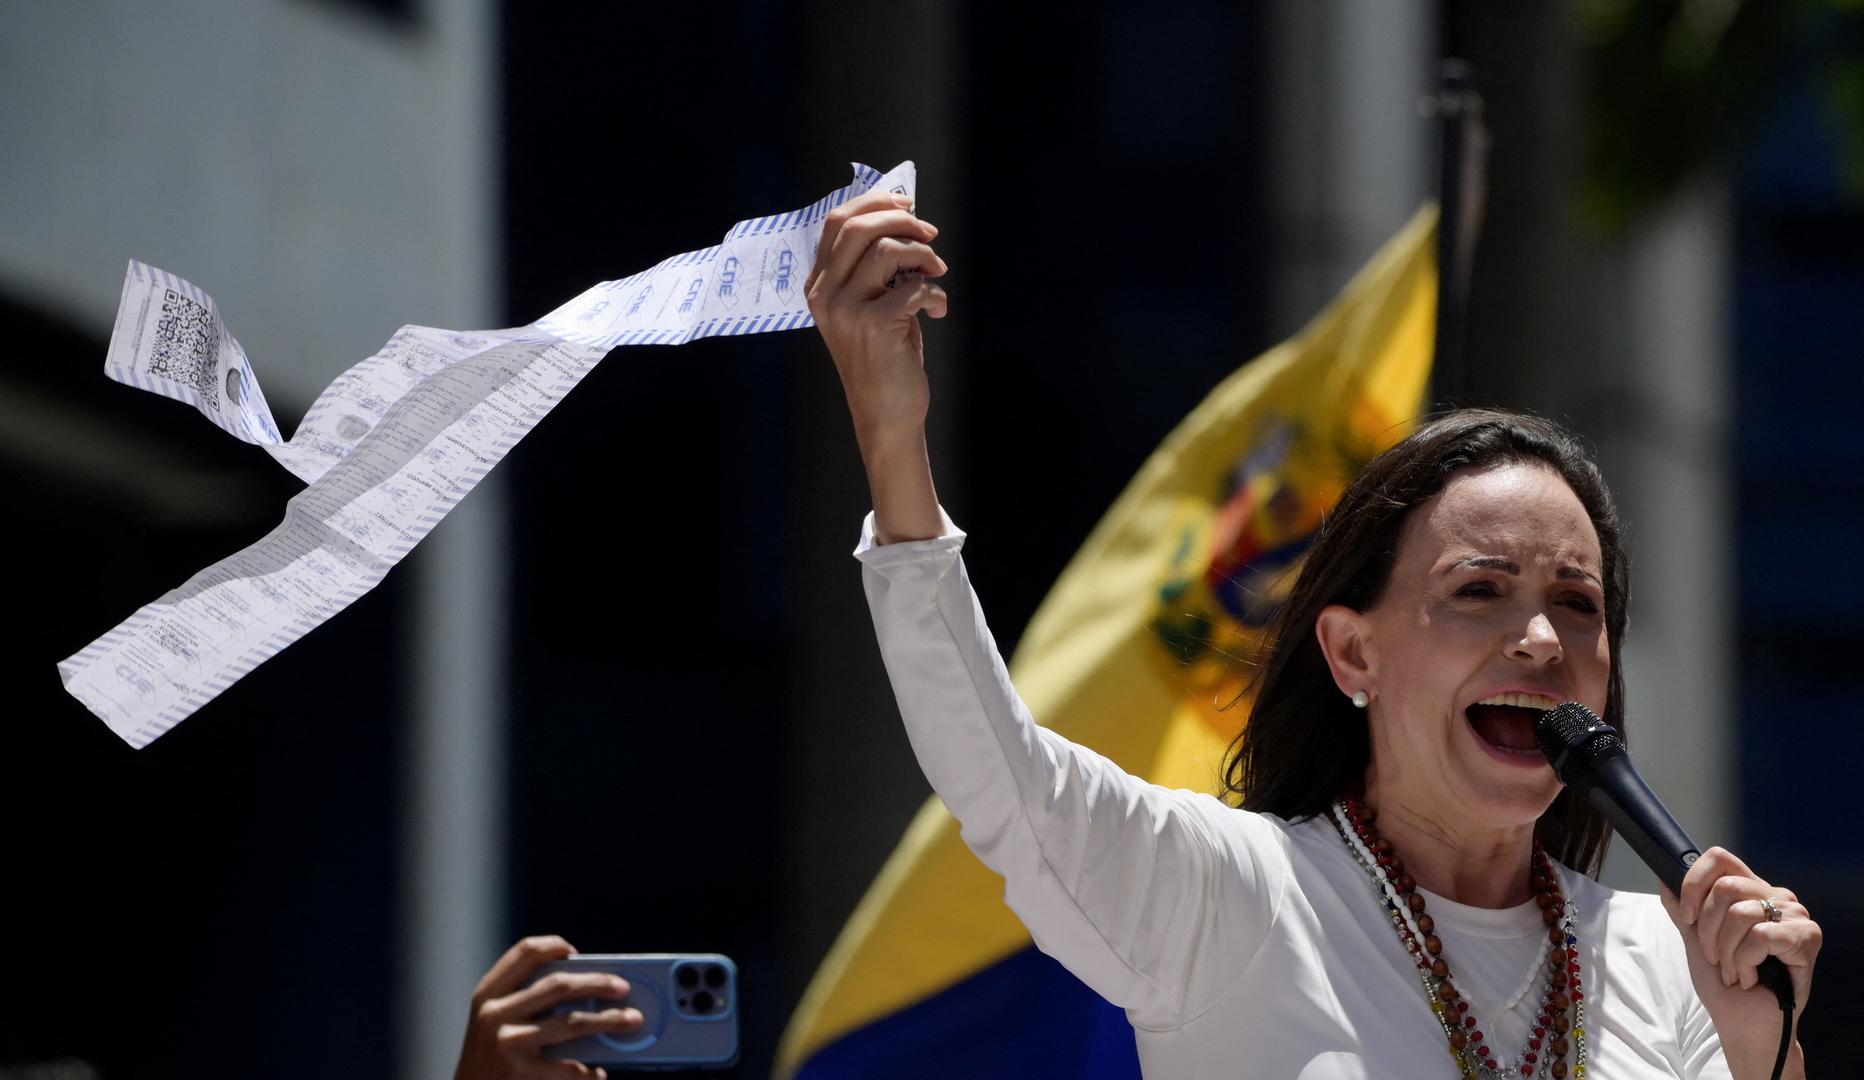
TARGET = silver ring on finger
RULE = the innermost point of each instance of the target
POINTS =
(1772, 909)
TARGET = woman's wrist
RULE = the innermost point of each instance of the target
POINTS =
(899, 479)
(1756, 1063)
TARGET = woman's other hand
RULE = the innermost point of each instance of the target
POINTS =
(870, 281)
(1728, 931)
(508, 1030)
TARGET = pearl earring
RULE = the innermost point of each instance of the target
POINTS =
(1361, 699)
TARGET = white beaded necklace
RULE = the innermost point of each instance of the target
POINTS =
(1533, 975)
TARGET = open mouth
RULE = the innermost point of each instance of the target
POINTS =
(1506, 722)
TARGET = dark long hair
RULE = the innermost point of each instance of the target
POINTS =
(1305, 744)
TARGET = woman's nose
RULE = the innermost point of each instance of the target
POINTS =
(1538, 642)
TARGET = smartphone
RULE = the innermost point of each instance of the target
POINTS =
(689, 1012)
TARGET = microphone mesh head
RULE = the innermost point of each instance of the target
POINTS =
(1573, 737)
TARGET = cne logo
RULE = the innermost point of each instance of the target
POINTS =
(691, 299)
(728, 281)
(597, 309)
(785, 280)
(640, 298)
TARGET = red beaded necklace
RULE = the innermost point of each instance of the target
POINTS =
(1548, 1043)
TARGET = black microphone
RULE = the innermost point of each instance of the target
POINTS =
(1589, 757)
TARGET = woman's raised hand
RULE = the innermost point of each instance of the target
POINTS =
(870, 282)
(1728, 929)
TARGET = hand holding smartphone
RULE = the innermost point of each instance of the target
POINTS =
(688, 1004)
(541, 1002)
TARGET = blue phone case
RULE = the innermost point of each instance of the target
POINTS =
(689, 1010)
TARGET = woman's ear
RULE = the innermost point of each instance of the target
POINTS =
(1345, 640)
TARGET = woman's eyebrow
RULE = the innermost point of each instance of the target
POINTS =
(1509, 566)
(1485, 562)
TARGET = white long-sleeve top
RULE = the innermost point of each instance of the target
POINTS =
(1239, 944)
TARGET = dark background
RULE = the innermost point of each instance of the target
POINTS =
(721, 770)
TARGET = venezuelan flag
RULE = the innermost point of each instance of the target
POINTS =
(1141, 651)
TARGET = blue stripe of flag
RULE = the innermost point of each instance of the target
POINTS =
(1026, 1017)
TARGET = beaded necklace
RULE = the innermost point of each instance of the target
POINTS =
(1547, 1043)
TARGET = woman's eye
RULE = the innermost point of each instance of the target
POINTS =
(1582, 604)
(1478, 590)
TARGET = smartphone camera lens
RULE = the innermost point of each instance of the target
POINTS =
(703, 1001)
(687, 976)
(714, 976)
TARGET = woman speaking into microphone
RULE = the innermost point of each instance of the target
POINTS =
(1399, 886)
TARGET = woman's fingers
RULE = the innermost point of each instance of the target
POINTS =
(836, 265)
(912, 294)
(889, 260)
(1749, 936)
(1710, 867)
(1715, 882)
(515, 967)
(1734, 938)
(1712, 916)
(1722, 905)
(552, 990)
(860, 204)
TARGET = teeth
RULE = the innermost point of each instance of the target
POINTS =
(1521, 701)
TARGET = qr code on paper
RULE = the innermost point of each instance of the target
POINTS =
(187, 346)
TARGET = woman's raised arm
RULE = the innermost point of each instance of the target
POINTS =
(1115, 878)
(870, 282)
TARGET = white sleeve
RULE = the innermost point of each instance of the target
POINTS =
(1701, 1044)
(1156, 899)
(1667, 986)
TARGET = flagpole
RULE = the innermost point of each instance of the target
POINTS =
(1460, 189)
